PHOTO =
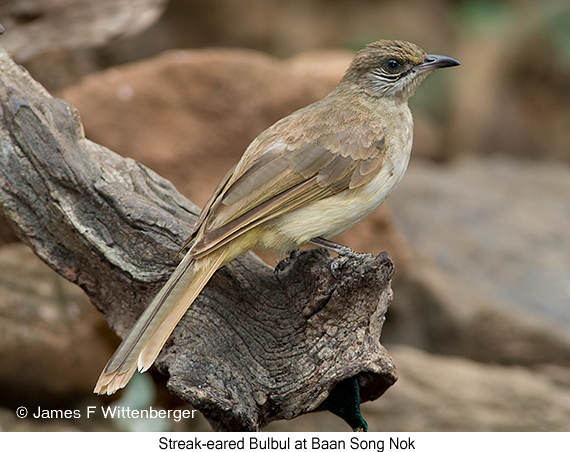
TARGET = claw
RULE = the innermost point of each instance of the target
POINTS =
(284, 263)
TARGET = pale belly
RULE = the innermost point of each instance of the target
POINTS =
(331, 216)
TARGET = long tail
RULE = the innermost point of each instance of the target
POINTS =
(143, 343)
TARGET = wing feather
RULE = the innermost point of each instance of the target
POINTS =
(288, 175)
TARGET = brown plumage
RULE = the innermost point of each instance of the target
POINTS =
(311, 175)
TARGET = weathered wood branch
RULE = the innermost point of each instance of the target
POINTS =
(254, 347)
(36, 26)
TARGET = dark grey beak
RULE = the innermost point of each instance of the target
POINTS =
(433, 62)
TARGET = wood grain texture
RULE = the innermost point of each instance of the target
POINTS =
(256, 346)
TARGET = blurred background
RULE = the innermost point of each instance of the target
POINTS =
(479, 228)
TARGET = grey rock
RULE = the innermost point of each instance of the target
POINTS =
(436, 393)
(438, 312)
(51, 345)
(500, 226)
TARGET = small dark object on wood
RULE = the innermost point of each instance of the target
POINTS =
(344, 401)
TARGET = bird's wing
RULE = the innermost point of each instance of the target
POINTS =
(286, 176)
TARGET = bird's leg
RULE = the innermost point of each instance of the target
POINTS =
(344, 253)
(341, 250)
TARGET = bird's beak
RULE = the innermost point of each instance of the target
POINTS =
(433, 62)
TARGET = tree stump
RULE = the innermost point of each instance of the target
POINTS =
(256, 346)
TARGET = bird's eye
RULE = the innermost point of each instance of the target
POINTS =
(393, 65)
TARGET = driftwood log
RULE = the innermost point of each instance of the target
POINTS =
(256, 346)
(37, 26)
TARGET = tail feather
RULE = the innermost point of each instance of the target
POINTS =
(143, 343)
(156, 341)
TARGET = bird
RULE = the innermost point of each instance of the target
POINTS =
(306, 179)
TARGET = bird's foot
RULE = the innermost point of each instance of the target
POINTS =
(284, 263)
(341, 250)
(344, 254)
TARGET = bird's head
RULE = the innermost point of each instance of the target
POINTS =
(393, 68)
